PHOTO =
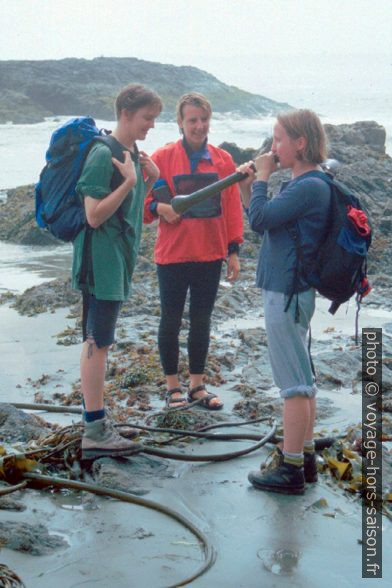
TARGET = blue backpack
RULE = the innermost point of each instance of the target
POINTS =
(58, 208)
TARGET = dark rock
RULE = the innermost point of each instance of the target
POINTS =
(242, 155)
(34, 89)
(19, 108)
(254, 408)
(113, 474)
(385, 225)
(46, 297)
(121, 474)
(363, 133)
(7, 503)
(17, 222)
(253, 338)
(239, 154)
(32, 539)
(336, 368)
(16, 425)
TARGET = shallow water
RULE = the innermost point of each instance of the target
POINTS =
(24, 266)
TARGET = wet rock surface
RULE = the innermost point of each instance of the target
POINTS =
(135, 475)
(17, 222)
(32, 539)
(16, 425)
(7, 503)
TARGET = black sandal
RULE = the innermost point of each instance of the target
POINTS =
(173, 402)
(204, 401)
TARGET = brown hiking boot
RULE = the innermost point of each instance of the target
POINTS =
(100, 439)
(123, 429)
(275, 459)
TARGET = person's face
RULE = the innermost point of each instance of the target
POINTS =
(195, 124)
(141, 121)
(286, 148)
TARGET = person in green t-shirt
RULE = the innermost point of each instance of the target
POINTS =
(114, 218)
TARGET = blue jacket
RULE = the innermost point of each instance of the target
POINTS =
(303, 202)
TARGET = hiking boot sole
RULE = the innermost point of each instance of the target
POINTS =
(309, 478)
(279, 489)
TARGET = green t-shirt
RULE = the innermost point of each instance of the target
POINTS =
(115, 243)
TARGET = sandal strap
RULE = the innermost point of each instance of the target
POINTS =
(169, 397)
(172, 391)
(210, 396)
(206, 401)
(198, 388)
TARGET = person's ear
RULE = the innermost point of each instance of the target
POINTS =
(300, 144)
(127, 114)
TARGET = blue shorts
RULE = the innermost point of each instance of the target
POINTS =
(99, 319)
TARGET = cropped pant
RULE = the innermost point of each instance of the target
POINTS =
(287, 345)
(202, 281)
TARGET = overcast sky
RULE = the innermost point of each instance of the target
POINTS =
(174, 30)
(229, 38)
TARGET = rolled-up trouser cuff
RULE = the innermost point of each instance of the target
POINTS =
(306, 391)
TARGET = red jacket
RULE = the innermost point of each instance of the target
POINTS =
(196, 239)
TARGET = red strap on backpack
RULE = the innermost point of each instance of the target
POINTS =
(364, 287)
(359, 220)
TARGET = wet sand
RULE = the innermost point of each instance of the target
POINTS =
(261, 539)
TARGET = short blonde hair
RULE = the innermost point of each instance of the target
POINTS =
(305, 123)
(192, 99)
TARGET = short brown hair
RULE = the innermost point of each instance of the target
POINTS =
(306, 123)
(192, 99)
(136, 96)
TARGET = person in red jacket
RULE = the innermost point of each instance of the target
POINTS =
(190, 248)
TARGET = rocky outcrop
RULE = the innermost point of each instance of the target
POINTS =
(32, 539)
(366, 134)
(367, 170)
(18, 426)
(31, 90)
(17, 219)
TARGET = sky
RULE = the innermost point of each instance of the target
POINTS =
(262, 46)
(180, 31)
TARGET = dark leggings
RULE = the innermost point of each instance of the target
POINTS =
(202, 279)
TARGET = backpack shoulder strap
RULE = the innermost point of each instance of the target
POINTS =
(293, 231)
(117, 150)
(115, 146)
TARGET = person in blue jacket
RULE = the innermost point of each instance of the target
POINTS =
(299, 144)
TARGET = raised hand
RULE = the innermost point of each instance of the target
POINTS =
(126, 168)
(245, 185)
(148, 166)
